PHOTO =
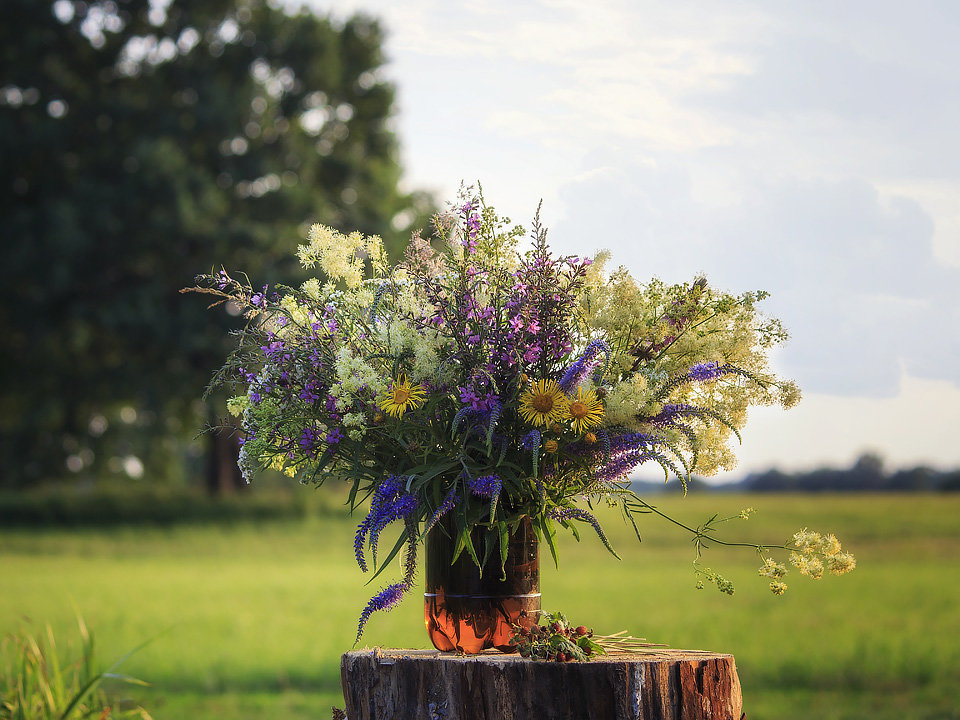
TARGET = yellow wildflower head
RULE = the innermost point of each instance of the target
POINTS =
(543, 403)
(585, 409)
(401, 396)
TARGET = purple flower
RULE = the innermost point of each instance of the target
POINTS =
(386, 600)
(401, 508)
(584, 365)
(531, 441)
(259, 298)
(487, 486)
(703, 372)
(564, 514)
(308, 441)
(449, 502)
(390, 502)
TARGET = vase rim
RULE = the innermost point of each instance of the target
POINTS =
(482, 597)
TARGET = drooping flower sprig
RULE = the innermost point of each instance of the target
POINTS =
(486, 382)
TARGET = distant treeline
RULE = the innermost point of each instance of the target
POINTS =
(867, 474)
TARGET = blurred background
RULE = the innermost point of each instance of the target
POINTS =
(808, 149)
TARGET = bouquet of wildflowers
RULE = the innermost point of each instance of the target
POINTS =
(487, 382)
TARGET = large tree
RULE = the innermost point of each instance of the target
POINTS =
(139, 146)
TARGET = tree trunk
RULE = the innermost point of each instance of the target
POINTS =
(429, 685)
(223, 473)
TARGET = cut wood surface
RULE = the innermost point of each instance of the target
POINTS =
(381, 684)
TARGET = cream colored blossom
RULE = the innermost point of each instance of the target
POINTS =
(624, 400)
(341, 257)
(807, 541)
(236, 405)
(841, 563)
(829, 545)
(311, 288)
(772, 569)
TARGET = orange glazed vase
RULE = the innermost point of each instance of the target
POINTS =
(468, 611)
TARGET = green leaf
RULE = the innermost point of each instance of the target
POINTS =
(586, 643)
(386, 563)
(462, 535)
(550, 535)
(472, 550)
(504, 537)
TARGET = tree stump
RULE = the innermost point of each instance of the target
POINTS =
(382, 684)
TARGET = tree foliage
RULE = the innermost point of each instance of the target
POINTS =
(141, 144)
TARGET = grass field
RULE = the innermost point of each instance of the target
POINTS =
(249, 619)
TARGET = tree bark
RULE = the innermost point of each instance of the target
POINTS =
(223, 473)
(429, 685)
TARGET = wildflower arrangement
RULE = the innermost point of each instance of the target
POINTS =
(484, 381)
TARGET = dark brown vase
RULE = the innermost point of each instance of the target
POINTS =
(469, 611)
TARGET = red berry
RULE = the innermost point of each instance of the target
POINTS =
(581, 630)
(561, 657)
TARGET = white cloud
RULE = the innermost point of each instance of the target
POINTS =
(852, 272)
(806, 148)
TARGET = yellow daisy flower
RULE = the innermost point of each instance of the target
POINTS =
(401, 396)
(585, 409)
(543, 403)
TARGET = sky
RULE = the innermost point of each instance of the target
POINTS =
(806, 148)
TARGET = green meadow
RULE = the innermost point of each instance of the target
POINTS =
(248, 620)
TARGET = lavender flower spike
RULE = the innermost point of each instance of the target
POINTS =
(383, 498)
(401, 508)
(449, 502)
(705, 371)
(487, 486)
(386, 600)
(531, 441)
(584, 365)
(582, 515)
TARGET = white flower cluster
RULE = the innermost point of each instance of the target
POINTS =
(341, 256)
(625, 400)
(353, 375)
(399, 336)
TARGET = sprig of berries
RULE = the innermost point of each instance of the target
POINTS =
(555, 640)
